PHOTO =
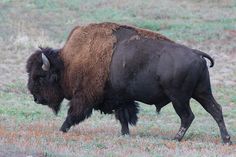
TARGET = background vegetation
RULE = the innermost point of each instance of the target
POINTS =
(30, 129)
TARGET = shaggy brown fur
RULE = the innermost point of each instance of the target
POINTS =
(87, 56)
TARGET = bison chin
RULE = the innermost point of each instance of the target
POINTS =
(55, 108)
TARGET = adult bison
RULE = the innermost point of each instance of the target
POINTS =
(108, 66)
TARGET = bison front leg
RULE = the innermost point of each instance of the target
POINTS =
(77, 113)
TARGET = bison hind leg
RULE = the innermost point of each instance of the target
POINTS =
(181, 105)
(186, 116)
(211, 106)
(203, 95)
(127, 114)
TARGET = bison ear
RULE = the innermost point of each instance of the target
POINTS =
(46, 63)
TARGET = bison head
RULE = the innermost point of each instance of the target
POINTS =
(44, 69)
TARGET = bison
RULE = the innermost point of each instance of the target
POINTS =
(108, 67)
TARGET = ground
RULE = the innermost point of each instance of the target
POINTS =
(29, 129)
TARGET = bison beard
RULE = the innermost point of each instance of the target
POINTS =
(108, 67)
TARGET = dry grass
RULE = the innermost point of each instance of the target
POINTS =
(33, 129)
(87, 140)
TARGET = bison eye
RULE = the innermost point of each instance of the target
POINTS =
(42, 80)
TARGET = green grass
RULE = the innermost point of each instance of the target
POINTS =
(178, 22)
(155, 130)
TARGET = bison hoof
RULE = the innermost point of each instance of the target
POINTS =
(177, 138)
(227, 141)
(125, 132)
(64, 130)
(158, 110)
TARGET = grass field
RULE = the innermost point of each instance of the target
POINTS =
(29, 129)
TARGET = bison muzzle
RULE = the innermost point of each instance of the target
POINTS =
(108, 67)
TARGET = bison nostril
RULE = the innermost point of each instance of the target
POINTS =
(39, 100)
(35, 99)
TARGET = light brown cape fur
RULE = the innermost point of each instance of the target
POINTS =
(87, 55)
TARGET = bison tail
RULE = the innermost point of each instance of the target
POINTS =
(206, 56)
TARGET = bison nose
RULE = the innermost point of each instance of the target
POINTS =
(39, 100)
(35, 99)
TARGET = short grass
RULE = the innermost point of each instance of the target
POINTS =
(179, 20)
(34, 129)
(28, 129)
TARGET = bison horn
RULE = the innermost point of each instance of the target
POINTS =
(46, 63)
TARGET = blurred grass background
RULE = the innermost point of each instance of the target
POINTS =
(27, 128)
(178, 19)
